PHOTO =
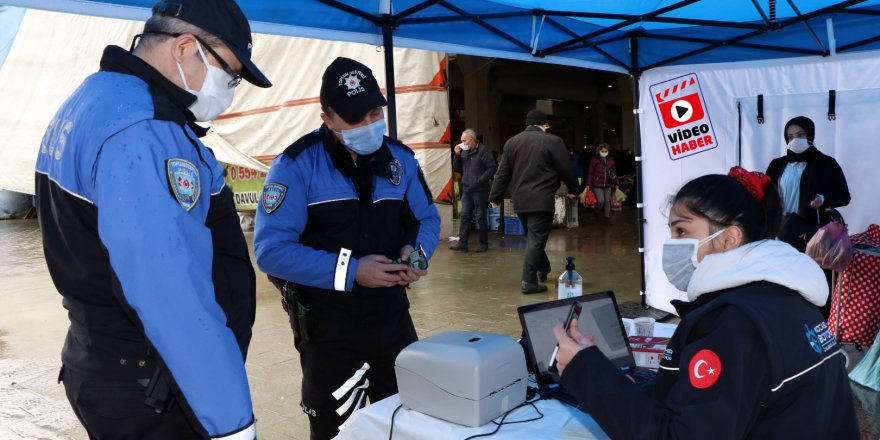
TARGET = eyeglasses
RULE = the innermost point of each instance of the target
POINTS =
(236, 76)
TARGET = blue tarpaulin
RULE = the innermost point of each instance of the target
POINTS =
(10, 19)
(627, 36)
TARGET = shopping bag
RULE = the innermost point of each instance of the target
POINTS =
(830, 247)
(615, 205)
(619, 195)
(589, 198)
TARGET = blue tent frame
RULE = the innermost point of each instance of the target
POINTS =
(623, 36)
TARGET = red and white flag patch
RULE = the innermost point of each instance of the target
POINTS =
(704, 369)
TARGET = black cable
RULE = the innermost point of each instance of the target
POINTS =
(391, 430)
(502, 423)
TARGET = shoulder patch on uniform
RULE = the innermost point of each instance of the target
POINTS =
(396, 169)
(704, 369)
(294, 150)
(272, 196)
(183, 178)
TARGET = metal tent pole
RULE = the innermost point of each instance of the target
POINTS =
(388, 48)
(637, 150)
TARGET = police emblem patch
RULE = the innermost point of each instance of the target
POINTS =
(273, 195)
(183, 178)
(396, 169)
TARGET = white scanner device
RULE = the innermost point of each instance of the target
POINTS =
(463, 377)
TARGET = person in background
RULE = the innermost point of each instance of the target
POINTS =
(601, 178)
(752, 356)
(576, 163)
(141, 236)
(343, 212)
(808, 181)
(532, 165)
(475, 163)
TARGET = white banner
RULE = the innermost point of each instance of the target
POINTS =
(790, 88)
(54, 52)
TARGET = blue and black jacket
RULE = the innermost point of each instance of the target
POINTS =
(320, 211)
(752, 362)
(142, 240)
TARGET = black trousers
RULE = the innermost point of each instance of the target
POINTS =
(346, 361)
(473, 207)
(537, 226)
(114, 410)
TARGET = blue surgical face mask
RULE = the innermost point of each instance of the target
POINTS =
(364, 140)
(680, 259)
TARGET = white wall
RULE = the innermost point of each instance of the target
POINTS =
(791, 88)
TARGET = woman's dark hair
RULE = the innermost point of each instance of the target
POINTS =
(724, 201)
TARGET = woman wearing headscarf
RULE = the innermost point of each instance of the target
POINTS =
(808, 181)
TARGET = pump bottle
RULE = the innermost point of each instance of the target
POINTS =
(571, 283)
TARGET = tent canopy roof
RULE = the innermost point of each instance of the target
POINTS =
(627, 36)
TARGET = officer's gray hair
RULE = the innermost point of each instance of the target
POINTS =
(470, 133)
(171, 25)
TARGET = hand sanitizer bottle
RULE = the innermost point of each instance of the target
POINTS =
(570, 282)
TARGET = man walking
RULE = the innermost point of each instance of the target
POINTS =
(475, 163)
(532, 164)
(339, 206)
(141, 235)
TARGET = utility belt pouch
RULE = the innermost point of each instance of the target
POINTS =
(158, 395)
(301, 322)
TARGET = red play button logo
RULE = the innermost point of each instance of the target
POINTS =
(704, 369)
(681, 111)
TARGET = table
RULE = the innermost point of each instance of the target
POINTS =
(560, 422)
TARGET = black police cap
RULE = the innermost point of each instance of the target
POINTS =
(350, 89)
(223, 19)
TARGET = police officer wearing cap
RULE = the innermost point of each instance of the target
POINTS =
(339, 206)
(141, 236)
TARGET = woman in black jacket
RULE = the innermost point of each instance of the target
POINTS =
(808, 182)
(752, 357)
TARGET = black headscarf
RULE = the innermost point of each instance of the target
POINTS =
(802, 122)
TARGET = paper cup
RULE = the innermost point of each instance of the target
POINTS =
(628, 327)
(644, 326)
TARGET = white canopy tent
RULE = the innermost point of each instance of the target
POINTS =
(729, 95)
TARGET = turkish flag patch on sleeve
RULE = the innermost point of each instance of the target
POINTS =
(704, 369)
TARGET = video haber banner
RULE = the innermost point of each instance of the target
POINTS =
(684, 119)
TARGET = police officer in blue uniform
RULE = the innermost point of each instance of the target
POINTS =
(141, 236)
(340, 205)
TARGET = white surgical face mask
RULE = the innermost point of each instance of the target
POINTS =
(215, 95)
(604, 154)
(798, 145)
(680, 259)
(465, 146)
(364, 140)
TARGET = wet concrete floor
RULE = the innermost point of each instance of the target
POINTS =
(473, 291)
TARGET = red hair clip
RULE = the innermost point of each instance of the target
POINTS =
(753, 181)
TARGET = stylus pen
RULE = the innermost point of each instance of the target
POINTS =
(573, 312)
(553, 356)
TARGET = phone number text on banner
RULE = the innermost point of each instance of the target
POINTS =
(246, 185)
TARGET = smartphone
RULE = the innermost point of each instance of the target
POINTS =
(573, 312)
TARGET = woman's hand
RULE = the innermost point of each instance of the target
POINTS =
(569, 346)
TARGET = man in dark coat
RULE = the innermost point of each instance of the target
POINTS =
(533, 164)
(475, 163)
